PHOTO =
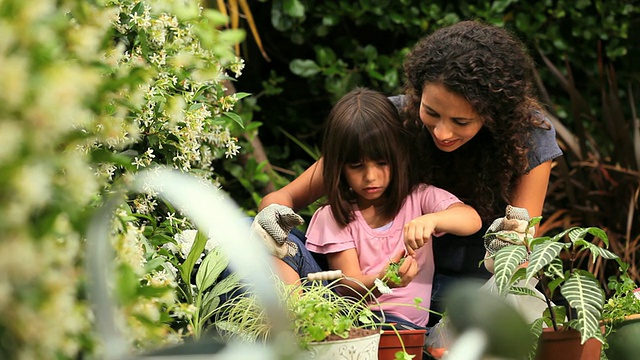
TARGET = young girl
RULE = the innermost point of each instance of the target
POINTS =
(374, 204)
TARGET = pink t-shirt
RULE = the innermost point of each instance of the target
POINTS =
(376, 247)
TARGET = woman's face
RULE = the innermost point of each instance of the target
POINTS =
(450, 119)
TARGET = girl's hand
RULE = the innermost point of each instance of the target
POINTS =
(405, 272)
(418, 231)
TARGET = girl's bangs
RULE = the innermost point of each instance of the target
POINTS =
(372, 144)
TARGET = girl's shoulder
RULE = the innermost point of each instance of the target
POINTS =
(427, 196)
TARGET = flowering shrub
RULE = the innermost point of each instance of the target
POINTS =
(90, 91)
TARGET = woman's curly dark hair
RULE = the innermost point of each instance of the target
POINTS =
(492, 70)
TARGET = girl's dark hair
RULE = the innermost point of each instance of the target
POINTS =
(491, 69)
(364, 124)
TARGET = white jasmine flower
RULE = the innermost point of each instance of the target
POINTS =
(382, 287)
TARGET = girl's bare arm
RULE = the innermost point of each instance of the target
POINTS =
(301, 192)
(458, 219)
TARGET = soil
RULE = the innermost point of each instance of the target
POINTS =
(353, 334)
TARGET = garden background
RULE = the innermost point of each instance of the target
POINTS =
(235, 93)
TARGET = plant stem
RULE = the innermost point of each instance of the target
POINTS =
(545, 291)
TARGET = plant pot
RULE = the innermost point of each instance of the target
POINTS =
(623, 341)
(390, 344)
(348, 349)
(565, 345)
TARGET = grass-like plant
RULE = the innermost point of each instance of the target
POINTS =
(318, 313)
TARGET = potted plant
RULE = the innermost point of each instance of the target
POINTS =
(328, 325)
(553, 263)
(622, 317)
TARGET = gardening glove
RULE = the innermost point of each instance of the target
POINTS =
(515, 222)
(273, 225)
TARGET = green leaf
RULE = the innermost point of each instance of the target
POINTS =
(583, 293)
(210, 268)
(235, 117)
(232, 36)
(314, 153)
(196, 250)
(304, 68)
(127, 284)
(242, 95)
(597, 232)
(294, 8)
(154, 264)
(535, 221)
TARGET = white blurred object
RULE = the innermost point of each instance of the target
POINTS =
(213, 213)
(530, 307)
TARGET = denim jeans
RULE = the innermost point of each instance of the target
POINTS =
(303, 262)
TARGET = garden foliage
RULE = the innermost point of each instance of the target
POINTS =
(92, 91)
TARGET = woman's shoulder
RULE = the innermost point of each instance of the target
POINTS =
(398, 101)
(543, 145)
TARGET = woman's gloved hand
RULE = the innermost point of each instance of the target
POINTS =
(508, 230)
(273, 225)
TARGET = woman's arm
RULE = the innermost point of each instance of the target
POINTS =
(347, 261)
(301, 192)
(531, 189)
(458, 219)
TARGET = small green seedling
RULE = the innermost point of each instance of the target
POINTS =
(392, 273)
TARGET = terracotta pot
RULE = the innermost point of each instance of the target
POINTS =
(623, 342)
(565, 345)
(390, 344)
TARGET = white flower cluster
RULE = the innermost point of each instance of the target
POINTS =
(47, 79)
(179, 119)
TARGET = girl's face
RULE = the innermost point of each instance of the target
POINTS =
(450, 119)
(368, 179)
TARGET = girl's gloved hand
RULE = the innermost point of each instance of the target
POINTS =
(273, 225)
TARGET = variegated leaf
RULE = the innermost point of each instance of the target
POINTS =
(596, 250)
(577, 234)
(542, 255)
(534, 242)
(523, 290)
(536, 331)
(506, 262)
(555, 269)
(583, 293)
(559, 236)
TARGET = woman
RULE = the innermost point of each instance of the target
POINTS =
(470, 100)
